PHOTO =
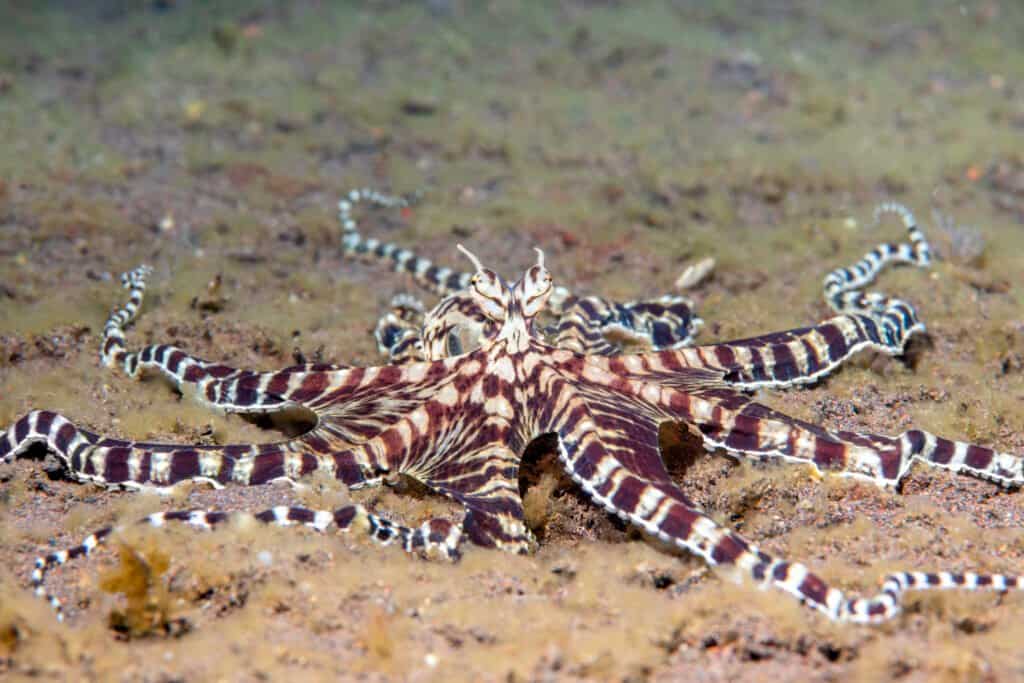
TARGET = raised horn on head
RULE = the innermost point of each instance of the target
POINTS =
(469, 254)
(540, 256)
(487, 289)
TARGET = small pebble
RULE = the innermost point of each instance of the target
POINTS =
(695, 273)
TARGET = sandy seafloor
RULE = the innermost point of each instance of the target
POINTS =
(625, 139)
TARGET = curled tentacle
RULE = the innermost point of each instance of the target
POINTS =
(843, 286)
(435, 538)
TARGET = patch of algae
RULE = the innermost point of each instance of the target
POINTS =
(139, 578)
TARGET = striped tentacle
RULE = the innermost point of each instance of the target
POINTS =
(731, 420)
(437, 537)
(805, 355)
(485, 481)
(842, 286)
(213, 384)
(592, 325)
(399, 331)
(437, 279)
(112, 350)
(408, 308)
(668, 515)
(667, 322)
(626, 475)
(1004, 469)
(59, 434)
(460, 442)
(736, 423)
(397, 340)
(86, 456)
(89, 457)
(245, 391)
(440, 280)
(580, 328)
(233, 390)
(367, 417)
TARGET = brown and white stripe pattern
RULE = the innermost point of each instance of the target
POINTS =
(89, 457)
(592, 325)
(459, 423)
(113, 350)
(804, 355)
(399, 331)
